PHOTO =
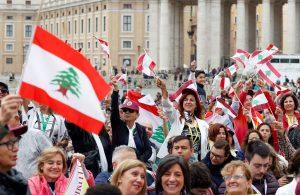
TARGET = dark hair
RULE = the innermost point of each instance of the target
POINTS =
(257, 147)
(245, 142)
(165, 164)
(4, 86)
(103, 189)
(283, 98)
(179, 138)
(197, 72)
(294, 163)
(271, 139)
(294, 136)
(198, 109)
(214, 130)
(200, 175)
(222, 144)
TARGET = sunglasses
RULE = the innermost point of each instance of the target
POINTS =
(128, 110)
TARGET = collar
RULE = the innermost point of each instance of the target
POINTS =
(133, 127)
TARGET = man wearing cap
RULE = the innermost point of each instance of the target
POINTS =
(126, 131)
(11, 181)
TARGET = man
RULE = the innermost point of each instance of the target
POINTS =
(193, 67)
(11, 181)
(216, 159)
(126, 131)
(182, 146)
(200, 82)
(149, 131)
(257, 157)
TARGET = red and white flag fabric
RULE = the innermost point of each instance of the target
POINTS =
(122, 78)
(281, 90)
(232, 69)
(264, 56)
(269, 73)
(225, 83)
(105, 46)
(220, 103)
(177, 94)
(231, 92)
(241, 57)
(259, 101)
(77, 182)
(146, 64)
(58, 76)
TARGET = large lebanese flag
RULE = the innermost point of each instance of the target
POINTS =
(58, 76)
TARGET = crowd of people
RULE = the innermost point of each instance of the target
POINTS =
(205, 150)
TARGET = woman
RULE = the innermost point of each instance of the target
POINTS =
(185, 121)
(289, 105)
(217, 132)
(51, 169)
(251, 136)
(265, 130)
(172, 176)
(130, 177)
(238, 179)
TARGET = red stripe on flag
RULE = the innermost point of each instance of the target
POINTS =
(57, 47)
(266, 78)
(82, 120)
(174, 95)
(222, 83)
(140, 62)
(270, 46)
(243, 52)
(271, 67)
(227, 106)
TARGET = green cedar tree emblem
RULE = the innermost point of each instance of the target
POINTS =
(68, 81)
(268, 72)
(260, 57)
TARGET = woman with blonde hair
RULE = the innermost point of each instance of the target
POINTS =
(52, 167)
(237, 177)
(130, 177)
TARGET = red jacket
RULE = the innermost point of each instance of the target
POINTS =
(39, 186)
(285, 121)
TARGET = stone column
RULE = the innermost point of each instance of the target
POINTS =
(251, 23)
(202, 35)
(241, 27)
(154, 30)
(278, 25)
(292, 28)
(267, 23)
(226, 21)
(178, 16)
(164, 32)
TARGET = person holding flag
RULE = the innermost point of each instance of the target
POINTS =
(187, 120)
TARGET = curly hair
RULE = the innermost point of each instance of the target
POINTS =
(214, 130)
(283, 98)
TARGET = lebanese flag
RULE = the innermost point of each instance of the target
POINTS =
(241, 57)
(257, 118)
(225, 107)
(122, 78)
(177, 94)
(146, 64)
(259, 102)
(281, 90)
(231, 92)
(264, 56)
(269, 73)
(58, 76)
(104, 45)
(225, 83)
(231, 70)
(148, 112)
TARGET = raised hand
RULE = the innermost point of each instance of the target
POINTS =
(9, 106)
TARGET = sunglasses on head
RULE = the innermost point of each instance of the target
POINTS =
(128, 110)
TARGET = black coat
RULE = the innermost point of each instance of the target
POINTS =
(13, 183)
(84, 143)
(120, 132)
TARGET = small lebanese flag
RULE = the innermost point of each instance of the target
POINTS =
(257, 118)
(177, 94)
(261, 57)
(269, 73)
(231, 70)
(241, 57)
(77, 181)
(225, 83)
(225, 107)
(281, 90)
(259, 102)
(58, 76)
(122, 78)
(105, 46)
(231, 92)
(146, 64)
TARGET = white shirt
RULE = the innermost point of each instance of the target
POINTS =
(288, 189)
(131, 142)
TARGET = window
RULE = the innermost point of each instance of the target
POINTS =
(104, 23)
(96, 44)
(75, 27)
(28, 30)
(296, 61)
(275, 60)
(9, 47)
(82, 26)
(284, 60)
(126, 23)
(82, 11)
(127, 45)
(89, 25)
(9, 2)
(147, 44)
(96, 25)
(9, 17)
(90, 9)
(69, 27)
(51, 28)
(27, 2)
(126, 62)
(89, 45)
(127, 6)
(9, 30)
(104, 6)
(9, 60)
(148, 24)
(56, 28)
(97, 8)
(75, 11)
(28, 17)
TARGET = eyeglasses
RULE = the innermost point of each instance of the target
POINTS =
(11, 143)
(215, 155)
(235, 177)
(128, 110)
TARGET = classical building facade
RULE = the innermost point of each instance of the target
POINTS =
(17, 20)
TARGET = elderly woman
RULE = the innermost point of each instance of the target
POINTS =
(172, 176)
(238, 180)
(187, 120)
(52, 166)
(130, 177)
